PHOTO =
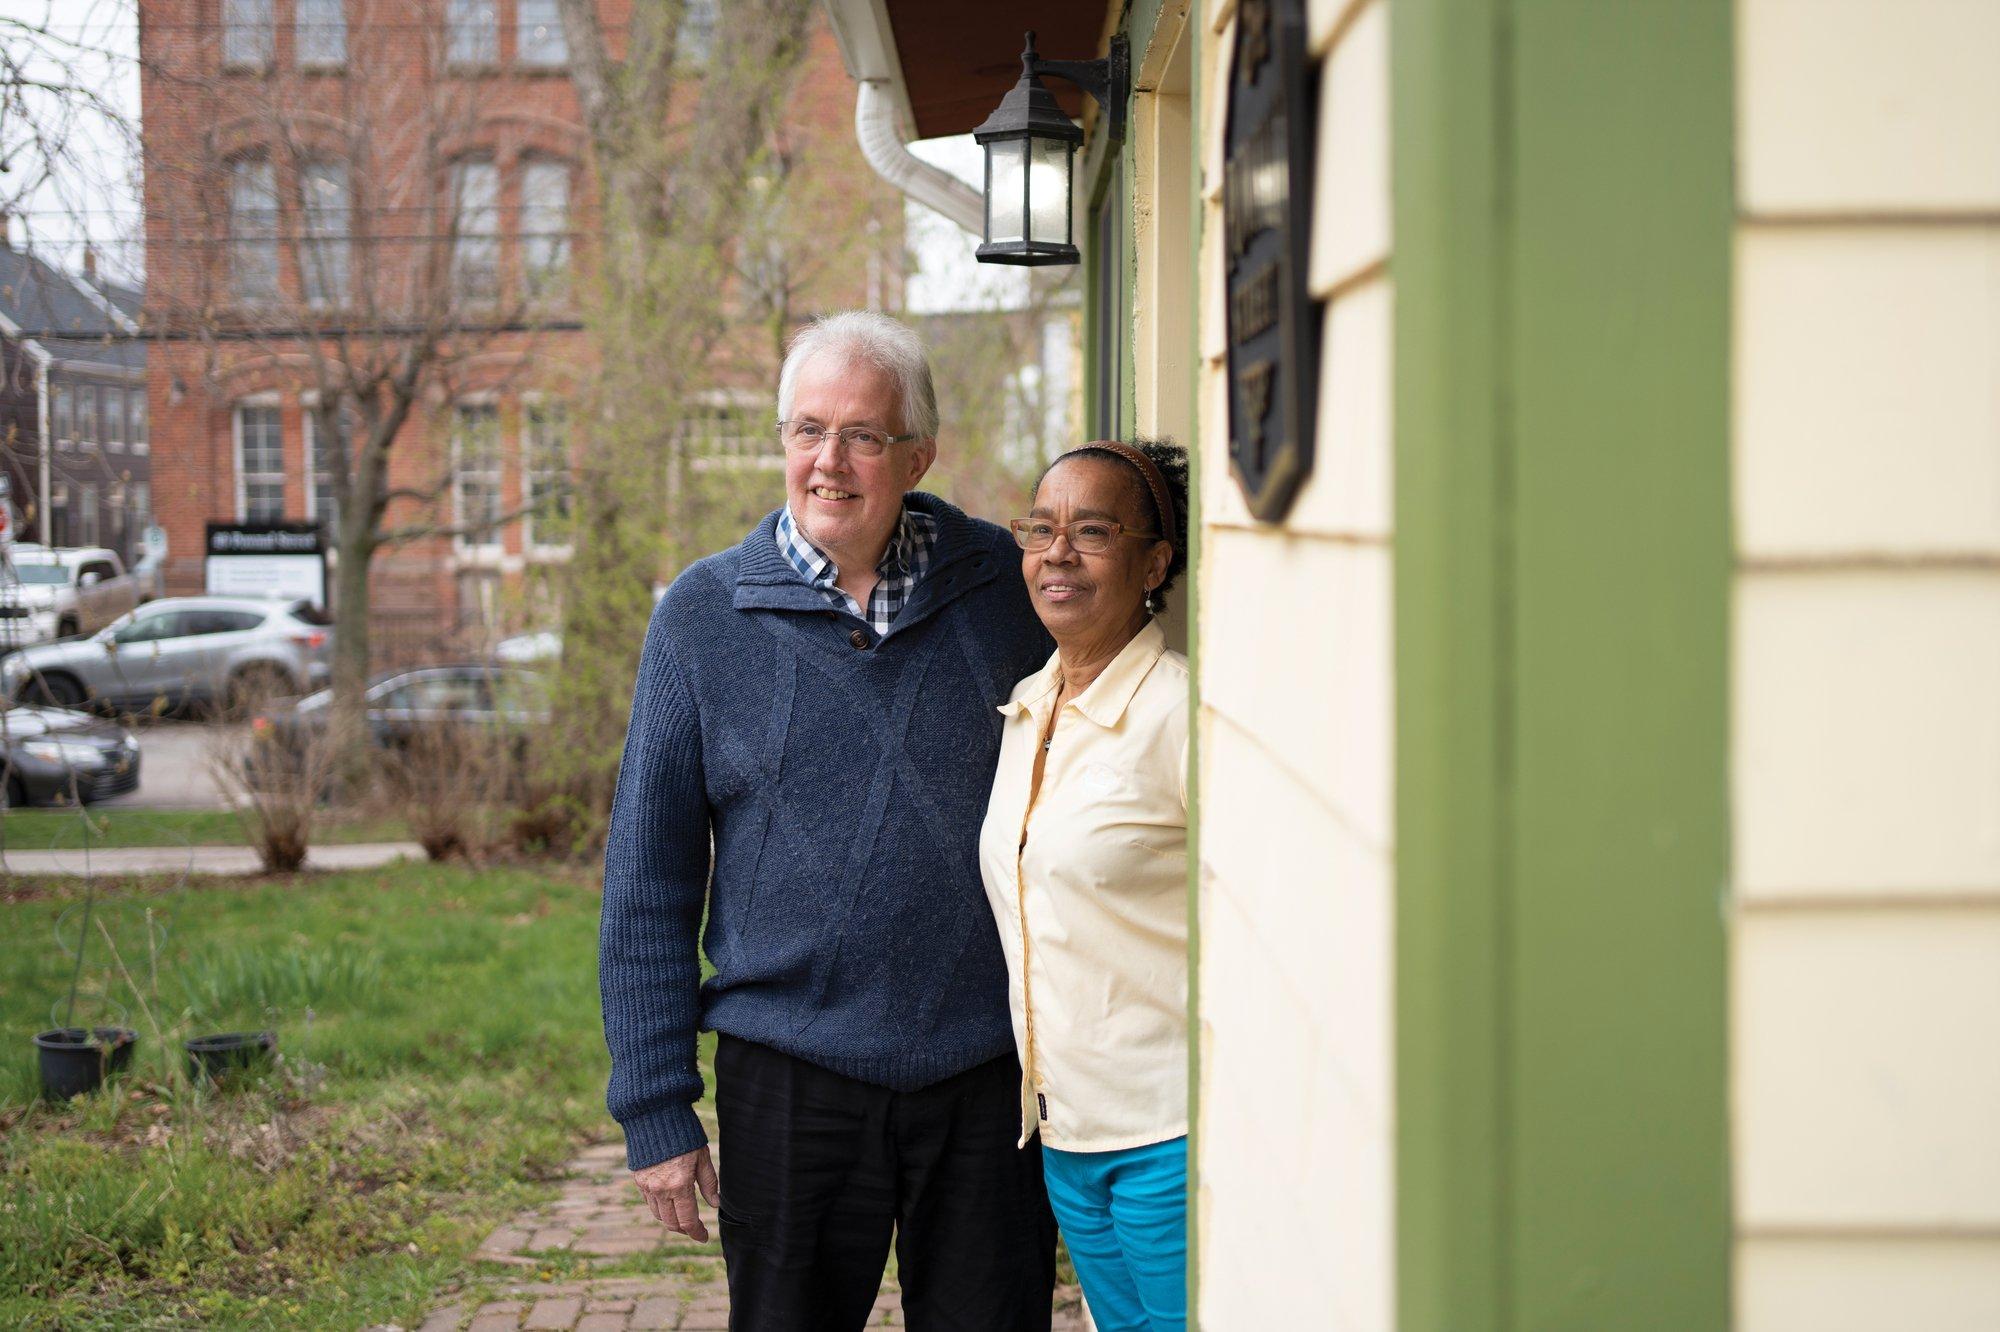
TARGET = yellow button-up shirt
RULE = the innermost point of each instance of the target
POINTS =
(1088, 880)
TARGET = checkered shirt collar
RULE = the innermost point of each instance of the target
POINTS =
(904, 564)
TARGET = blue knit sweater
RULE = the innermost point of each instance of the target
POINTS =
(840, 778)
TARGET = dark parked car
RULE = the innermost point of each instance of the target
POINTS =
(53, 754)
(402, 705)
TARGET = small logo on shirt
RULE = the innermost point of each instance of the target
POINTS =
(1042, 1104)
(1100, 780)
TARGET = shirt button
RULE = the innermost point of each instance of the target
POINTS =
(859, 638)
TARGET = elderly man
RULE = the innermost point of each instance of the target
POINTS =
(813, 736)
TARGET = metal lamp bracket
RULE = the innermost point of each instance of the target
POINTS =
(1108, 80)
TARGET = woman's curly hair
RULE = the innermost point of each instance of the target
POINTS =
(1172, 461)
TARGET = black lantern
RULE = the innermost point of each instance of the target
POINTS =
(1030, 148)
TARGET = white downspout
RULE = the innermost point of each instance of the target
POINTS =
(48, 444)
(883, 144)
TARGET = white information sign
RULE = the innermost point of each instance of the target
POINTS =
(266, 561)
(293, 577)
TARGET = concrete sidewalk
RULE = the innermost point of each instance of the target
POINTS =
(198, 859)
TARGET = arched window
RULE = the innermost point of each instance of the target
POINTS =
(544, 224)
(253, 231)
(475, 260)
(325, 219)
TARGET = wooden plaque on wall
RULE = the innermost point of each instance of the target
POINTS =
(1273, 324)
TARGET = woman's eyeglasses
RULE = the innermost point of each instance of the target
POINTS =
(1087, 536)
(861, 441)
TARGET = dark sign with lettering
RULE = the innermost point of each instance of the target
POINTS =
(1273, 323)
(265, 539)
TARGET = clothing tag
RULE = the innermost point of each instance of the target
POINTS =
(1042, 1103)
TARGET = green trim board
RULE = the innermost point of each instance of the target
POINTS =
(1561, 259)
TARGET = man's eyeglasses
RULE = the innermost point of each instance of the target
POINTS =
(861, 441)
(1087, 536)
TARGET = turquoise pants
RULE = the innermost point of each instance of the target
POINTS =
(1124, 1216)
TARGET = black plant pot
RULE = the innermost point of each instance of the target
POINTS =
(213, 1058)
(75, 1060)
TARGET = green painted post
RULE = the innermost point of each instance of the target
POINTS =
(1563, 225)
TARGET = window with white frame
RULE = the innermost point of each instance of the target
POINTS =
(539, 39)
(246, 33)
(62, 411)
(253, 231)
(86, 503)
(475, 258)
(697, 35)
(319, 33)
(475, 473)
(114, 418)
(728, 432)
(471, 32)
(141, 425)
(331, 458)
(544, 224)
(545, 460)
(86, 414)
(140, 500)
(324, 215)
(260, 462)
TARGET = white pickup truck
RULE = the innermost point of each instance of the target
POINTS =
(46, 594)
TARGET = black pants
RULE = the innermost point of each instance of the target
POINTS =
(818, 1170)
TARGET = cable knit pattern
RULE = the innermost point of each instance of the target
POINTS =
(840, 778)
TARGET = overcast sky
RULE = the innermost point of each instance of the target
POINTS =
(95, 197)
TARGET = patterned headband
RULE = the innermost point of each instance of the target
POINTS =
(1154, 482)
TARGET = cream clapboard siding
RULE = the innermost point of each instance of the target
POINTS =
(1866, 986)
(1296, 1208)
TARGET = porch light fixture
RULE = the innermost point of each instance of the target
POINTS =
(1030, 148)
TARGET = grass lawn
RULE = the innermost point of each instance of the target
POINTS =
(110, 826)
(442, 1059)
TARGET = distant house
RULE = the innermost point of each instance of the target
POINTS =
(73, 414)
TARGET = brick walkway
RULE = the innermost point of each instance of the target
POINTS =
(599, 1218)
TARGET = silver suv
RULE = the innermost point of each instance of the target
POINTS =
(48, 594)
(236, 651)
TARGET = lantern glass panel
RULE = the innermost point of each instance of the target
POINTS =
(1048, 191)
(1006, 190)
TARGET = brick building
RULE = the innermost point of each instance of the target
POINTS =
(312, 163)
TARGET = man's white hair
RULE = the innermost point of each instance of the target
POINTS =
(872, 339)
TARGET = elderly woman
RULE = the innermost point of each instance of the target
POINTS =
(1084, 854)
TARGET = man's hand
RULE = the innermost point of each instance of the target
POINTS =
(669, 1190)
